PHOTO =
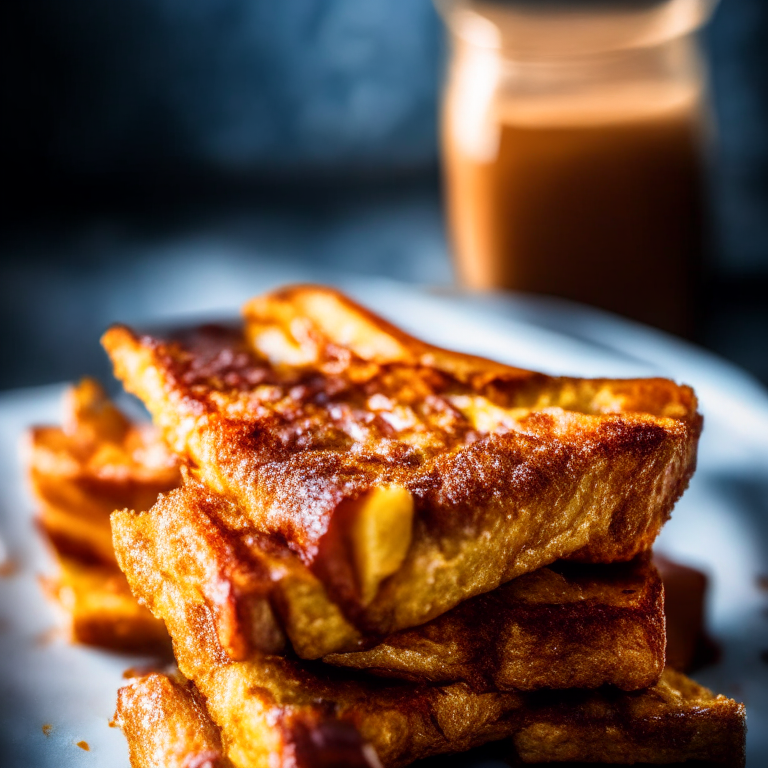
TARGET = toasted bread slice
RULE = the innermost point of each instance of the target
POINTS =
(559, 627)
(407, 477)
(101, 611)
(572, 626)
(97, 462)
(280, 713)
(674, 721)
(88, 539)
(589, 612)
(166, 724)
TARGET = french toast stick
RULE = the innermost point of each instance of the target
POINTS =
(101, 611)
(591, 616)
(563, 626)
(80, 472)
(570, 625)
(98, 461)
(406, 477)
(275, 714)
(166, 725)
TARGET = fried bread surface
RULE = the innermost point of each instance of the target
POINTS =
(409, 478)
(575, 625)
(166, 725)
(281, 717)
(96, 462)
(272, 708)
(558, 627)
(101, 611)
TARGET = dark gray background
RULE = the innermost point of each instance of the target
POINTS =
(153, 148)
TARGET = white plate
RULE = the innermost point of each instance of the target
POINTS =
(721, 524)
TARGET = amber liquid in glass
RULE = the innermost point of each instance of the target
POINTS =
(597, 204)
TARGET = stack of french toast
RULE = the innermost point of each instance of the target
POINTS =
(367, 550)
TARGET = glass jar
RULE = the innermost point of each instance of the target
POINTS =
(572, 151)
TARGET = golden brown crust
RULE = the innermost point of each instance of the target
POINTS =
(166, 725)
(558, 627)
(182, 540)
(97, 462)
(574, 626)
(284, 714)
(405, 723)
(323, 402)
(101, 611)
(674, 721)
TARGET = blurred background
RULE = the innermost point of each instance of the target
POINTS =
(168, 157)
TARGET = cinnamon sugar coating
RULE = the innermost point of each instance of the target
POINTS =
(298, 418)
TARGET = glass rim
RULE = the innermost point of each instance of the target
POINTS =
(558, 30)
